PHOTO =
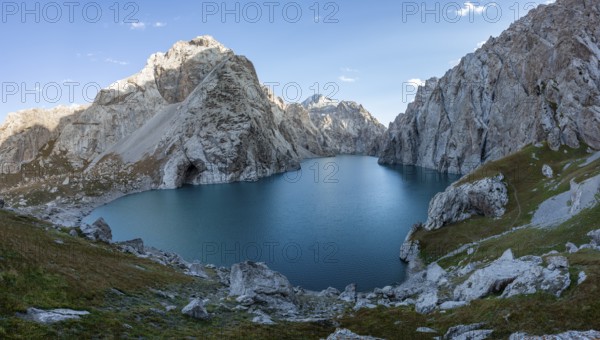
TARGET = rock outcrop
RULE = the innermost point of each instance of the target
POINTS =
(254, 283)
(487, 197)
(508, 277)
(538, 81)
(98, 231)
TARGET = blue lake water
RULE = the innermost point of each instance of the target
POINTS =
(337, 221)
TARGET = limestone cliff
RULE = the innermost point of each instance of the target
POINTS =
(196, 114)
(538, 81)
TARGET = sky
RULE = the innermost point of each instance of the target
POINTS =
(374, 53)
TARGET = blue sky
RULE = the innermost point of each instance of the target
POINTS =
(349, 50)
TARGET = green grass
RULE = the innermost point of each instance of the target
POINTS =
(527, 189)
(35, 271)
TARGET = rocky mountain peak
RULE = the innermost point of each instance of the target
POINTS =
(539, 81)
(319, 101)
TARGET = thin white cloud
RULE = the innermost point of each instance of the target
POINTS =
(470, 8)
(480, 44)
(117, 62)
(416, 82)
(138, 26)
(159, 24)
(346, 79)
(349, 70)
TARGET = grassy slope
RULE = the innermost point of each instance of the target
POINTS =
(35, 271)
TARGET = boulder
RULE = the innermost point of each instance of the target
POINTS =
(262, 318)
(427, 302)
(547, 171)
(471, 332)
(265, 287)
(135, 246)
(344, 334)
(97, 231)
(349, 294)
(196, 310)
(197, 270)
(486, 197)
(508, 276)
(329, 292)
(252, 278)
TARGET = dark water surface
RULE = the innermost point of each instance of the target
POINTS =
(338, 220)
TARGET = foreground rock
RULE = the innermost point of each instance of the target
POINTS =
(53, 316)
(254, 283)
(509, 277)
(467, 332)
(97, 231)
(196, 310)
(484, 108)
(487, 197)
(344, 334)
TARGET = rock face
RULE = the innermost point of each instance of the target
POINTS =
(538, 81)
(23, 134)
(321, 126)
(487, 197)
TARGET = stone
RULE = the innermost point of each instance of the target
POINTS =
(135, 246)
(197, 270)
(73, 233)
(547, 171)
(427, 302)
(252, 278)
(349, 294)
(595, 236)
(435, 273)
(345, 334)
(262, 318)
(425, 330)
(53, 316)
(570, 335)
(555, 262)
(462, 330)
(97, 231)
(452, 305)
(509, 277)
(486, 197)
(571, 248)
(581, 277)
(329, 292)
(196, 310)
(363, 303)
